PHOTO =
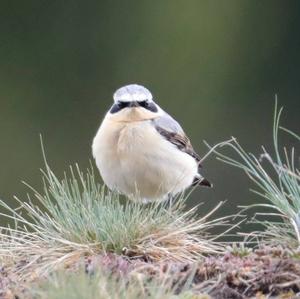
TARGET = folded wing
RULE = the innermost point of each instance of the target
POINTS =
(170, 129)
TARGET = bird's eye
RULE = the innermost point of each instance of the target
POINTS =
(123, 105)
(144, 104)
(148, 105)
(118, 106)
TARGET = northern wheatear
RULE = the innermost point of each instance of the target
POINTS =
(141, 151)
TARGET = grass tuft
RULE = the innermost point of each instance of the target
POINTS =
(76, 217)
(278, 185)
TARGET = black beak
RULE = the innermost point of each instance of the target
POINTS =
(133, 104)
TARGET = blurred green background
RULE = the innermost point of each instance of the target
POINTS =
(214, 65)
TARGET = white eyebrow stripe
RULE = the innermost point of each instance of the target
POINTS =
(132, 97)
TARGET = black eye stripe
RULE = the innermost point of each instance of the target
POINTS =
(143, 104)
(118, 107)
(121, 105)
(149, 106)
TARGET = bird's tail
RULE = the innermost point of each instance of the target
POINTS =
(201, 181)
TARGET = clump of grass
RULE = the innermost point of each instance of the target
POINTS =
(279, 185)
(239, 249)
(100, 285)
(76, 216)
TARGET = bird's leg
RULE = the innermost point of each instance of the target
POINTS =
(170, 201)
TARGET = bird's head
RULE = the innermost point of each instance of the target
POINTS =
(133, 103)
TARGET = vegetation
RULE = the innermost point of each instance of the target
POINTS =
(78, 240)
(79, 217)
(101, 285)
(278, 186)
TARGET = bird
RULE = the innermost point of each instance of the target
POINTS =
(142, 152)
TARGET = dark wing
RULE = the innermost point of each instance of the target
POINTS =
(170, 129)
